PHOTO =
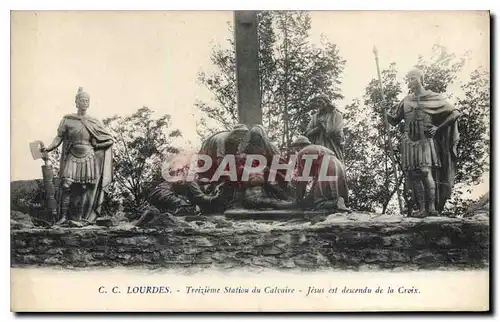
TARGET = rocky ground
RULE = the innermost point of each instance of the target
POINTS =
(338, 241)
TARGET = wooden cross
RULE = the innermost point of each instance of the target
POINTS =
(247, 68)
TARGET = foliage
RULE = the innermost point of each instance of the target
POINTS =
(54, 161)
(141, 145)
(360, 153)
(441, 69)
(458, 204)
(26, 195)
(372, 181)
(473, 147)
(291, 72)
(369, 166)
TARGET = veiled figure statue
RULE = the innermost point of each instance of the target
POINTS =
(220, 144)
(429, 144)
(257, 142)
(326, 127)
(85, 164)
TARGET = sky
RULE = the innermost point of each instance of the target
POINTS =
(126, 60)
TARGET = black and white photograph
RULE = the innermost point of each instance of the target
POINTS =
(262, 160)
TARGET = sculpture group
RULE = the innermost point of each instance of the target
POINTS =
(428, 160)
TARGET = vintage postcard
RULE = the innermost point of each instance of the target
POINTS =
(257, 161)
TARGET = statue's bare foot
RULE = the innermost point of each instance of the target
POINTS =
(61, 221)
(341, 205)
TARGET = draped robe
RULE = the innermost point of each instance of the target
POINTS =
(332, 134)
(257, 142)
(322, 189)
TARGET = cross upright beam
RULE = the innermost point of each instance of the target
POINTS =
(247, 68)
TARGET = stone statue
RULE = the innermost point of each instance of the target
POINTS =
(186, 197)
(325, 193)
(259, 194)
(327, 126)
(85, 164)
(220, 144)
(257, 142)
(429, 144)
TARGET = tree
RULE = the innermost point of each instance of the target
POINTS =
(141, 145)
(473, 147)
(361, 158)
(474, 124)
(474, 104)
(441, 69)
(372, 180)
(54, 158)
(291, 72)
(370, 189)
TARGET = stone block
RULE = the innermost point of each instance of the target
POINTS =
(339, 244)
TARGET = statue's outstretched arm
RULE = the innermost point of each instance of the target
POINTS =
(102, 145)
(59, 138)
(55, 144)
(199, 197)
(312, 131)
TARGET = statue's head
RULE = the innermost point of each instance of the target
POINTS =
(256, 141)
(238, 132)
(257, 178)
(82, 99)
(322, 103)
(180, 186)
(415, 78)
(257, 134)
(299, 143)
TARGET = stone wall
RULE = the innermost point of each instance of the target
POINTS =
(356, 241)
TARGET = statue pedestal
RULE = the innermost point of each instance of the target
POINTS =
(242, 214)
(343, 241)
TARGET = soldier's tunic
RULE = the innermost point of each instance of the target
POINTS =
(80, 164)
(418, 149)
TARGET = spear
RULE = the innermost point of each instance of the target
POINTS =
(386, 125)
